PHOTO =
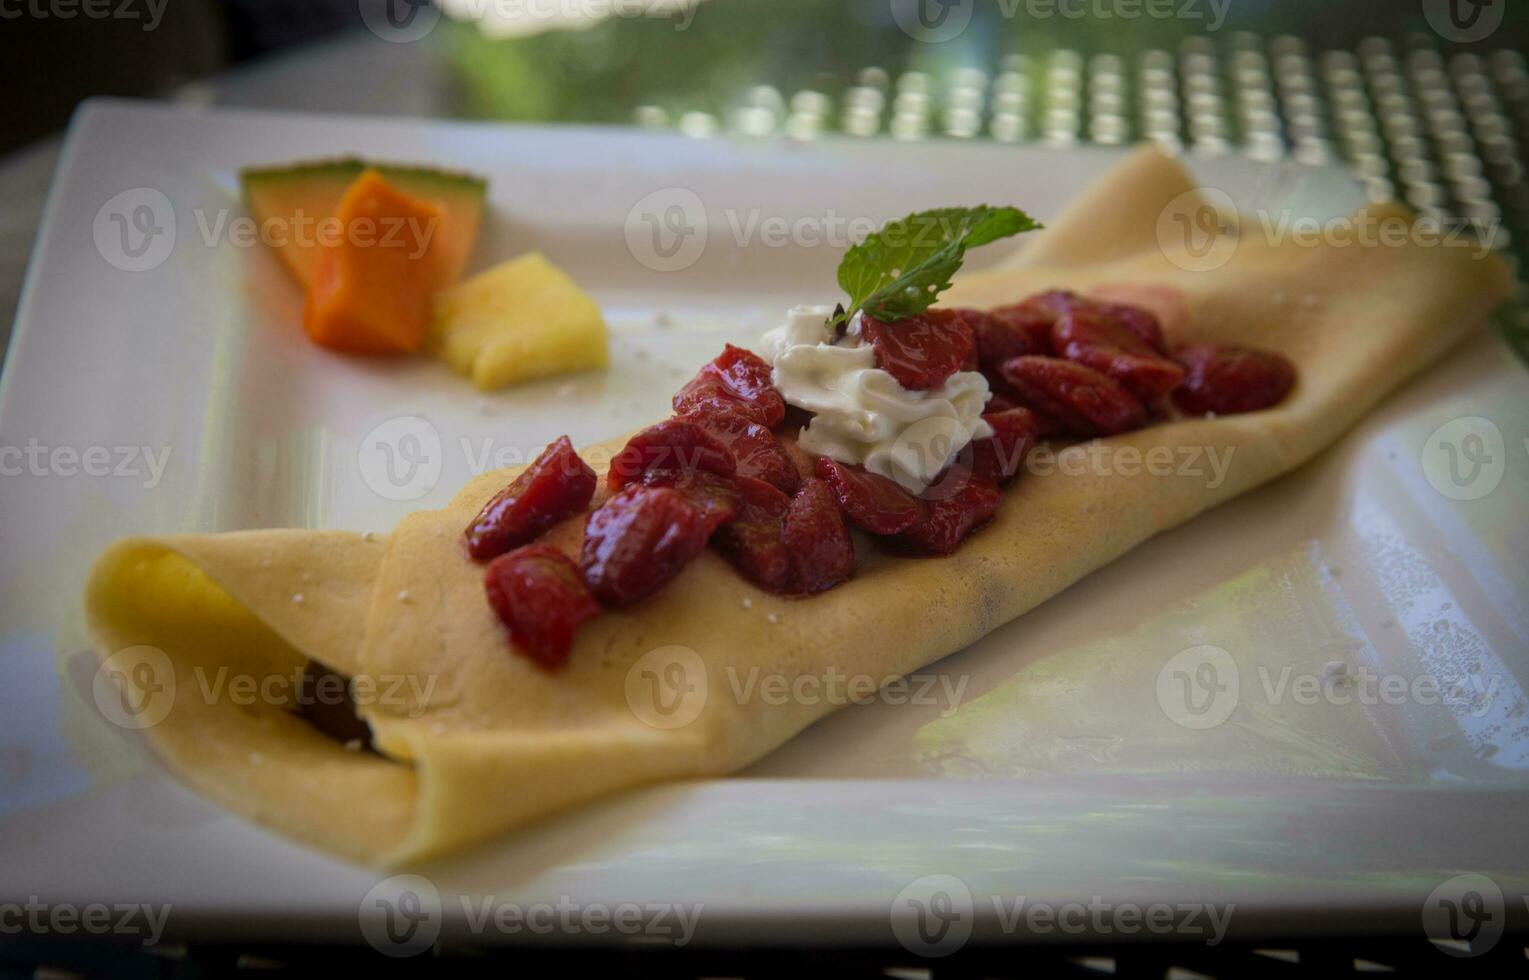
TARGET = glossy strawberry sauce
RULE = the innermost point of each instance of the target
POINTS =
(557, 485)
(725, 471)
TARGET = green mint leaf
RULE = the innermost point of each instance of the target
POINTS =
(901, 270)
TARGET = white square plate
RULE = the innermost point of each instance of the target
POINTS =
(1053, 772)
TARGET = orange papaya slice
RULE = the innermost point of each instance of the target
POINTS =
(376, 276)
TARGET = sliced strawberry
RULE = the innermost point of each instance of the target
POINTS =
(539, 595)
(1054, 302)
(1086, 402)
(675, 444)
(1009, 332)
(752, 540)
(556, 486)
(1167, 304)
(1232, 380)
(1102, 340)
(871, 502)
(738, 380)
(640, 539)
(1001, 457)
(754, 448)
(1140, 321)
(717, 496)
(1019, 330)
(963, 503)
(822, 554)
(920, 352)
(1048, 307)
(1004, 399)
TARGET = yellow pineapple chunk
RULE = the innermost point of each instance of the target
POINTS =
(520, 320)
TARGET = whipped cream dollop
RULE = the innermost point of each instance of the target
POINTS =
(862, 416)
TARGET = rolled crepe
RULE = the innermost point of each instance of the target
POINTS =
(477, 739)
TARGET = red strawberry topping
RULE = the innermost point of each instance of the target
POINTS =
(675, 444)
(738, 380)
(921, 352)
(1086, 402)
(1000, 457)
(815, 537)
(1232, 380)
(556, 486)
(640, 539)
(539, 595)
(754, 448)
(956, 505)
(752, 541)
(872, 503)
(1103, 341)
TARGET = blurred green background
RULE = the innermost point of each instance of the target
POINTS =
(1422, 110)
(1427, 100)
(707, 59)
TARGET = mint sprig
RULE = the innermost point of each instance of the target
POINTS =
(900, 271)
